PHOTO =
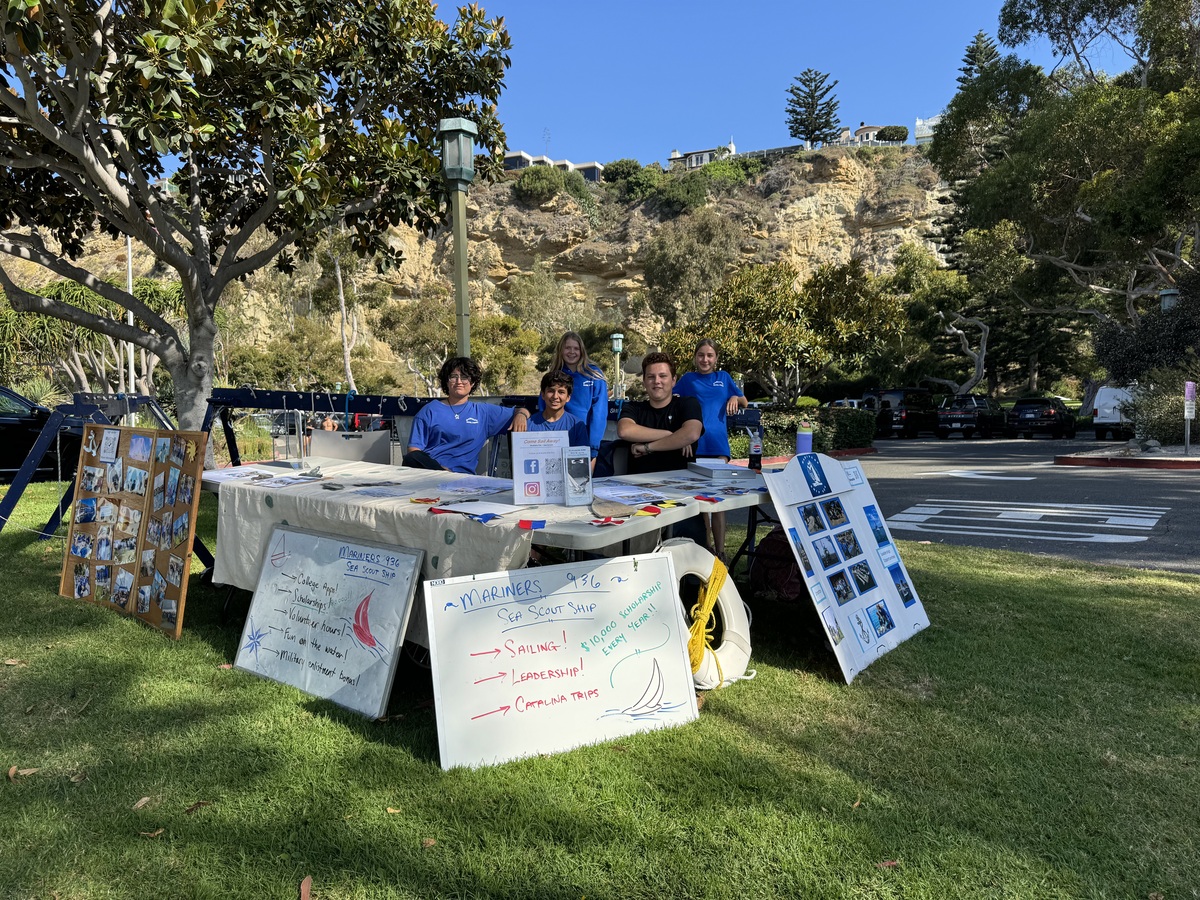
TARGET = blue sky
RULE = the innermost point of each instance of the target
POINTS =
(621, 78)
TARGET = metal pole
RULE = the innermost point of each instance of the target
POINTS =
(462, 303)
(132, 388)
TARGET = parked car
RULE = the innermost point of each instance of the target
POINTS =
(1041, 415)
(969, 414)
(902, 411)
(21, 422)
(848, 403)
(1108, 413)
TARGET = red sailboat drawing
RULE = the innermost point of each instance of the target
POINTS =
(362, 627)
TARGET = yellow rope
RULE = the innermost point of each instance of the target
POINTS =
(704, 622)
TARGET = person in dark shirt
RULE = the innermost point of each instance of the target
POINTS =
(663, 429)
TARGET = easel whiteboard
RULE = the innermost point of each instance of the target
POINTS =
(550, 658)
(329, 615)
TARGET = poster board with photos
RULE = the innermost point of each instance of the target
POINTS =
(329, 615)
(129, 546)
(855, 576)
(546, 659)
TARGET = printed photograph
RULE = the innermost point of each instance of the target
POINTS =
(172, 486)
(166, 534)
(83, 581)
(85, 511)
(175, 570)
(140, 446)
(148, 562)
(122, 588)
(177, 451)
(129, 519)
(902, 586)
(180, 529)
(799, 545)
(116, 472)
(811, 516)
(863, 579)
(103, 584)
(826, 552)
(124, 551)
(835, 513)
(159, 495)
(110, 445)
(154, 531)
(848, 544)
(143, 601)
(91, 480)
(187, 488)
(170, 612)
(158, 589)
(862, 630)
(162, 449)
(104, 543)
(881, 619)
(814, 474)
(832, 628)
(106, 512)
(843, 591)
(136, 480)
(82, 544)
(876, 522)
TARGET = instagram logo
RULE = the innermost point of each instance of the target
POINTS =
(533, 489)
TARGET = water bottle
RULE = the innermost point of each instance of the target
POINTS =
(803, 438)
(756, 444)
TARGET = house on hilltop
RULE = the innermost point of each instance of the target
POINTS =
(515, 160)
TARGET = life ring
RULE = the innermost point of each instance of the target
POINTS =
(724, 663)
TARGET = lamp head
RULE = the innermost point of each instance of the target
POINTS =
(618, 342)
(458, 152)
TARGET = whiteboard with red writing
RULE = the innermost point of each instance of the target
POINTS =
(549, 658)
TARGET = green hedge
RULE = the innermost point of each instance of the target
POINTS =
(834, 428)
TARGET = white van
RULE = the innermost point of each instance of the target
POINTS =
(1108, 415)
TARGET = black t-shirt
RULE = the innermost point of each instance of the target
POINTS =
(669, 418)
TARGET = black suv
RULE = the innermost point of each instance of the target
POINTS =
(969, 414)
(903, 411)
(21, 422)
(1041, 415)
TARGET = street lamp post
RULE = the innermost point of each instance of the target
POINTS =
(618, 342)
(458, 169)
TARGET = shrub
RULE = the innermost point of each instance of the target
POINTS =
(892, 133)
(676, 196)
(641, 184)
(1157, 408)
(834, 428)
(621, 169)
(537, 184)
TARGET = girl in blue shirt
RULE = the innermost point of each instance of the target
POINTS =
(719, 396)
(589, 394)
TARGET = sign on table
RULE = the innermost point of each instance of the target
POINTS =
(537, 465)
(549, 658)
(854, 574)
(329, 615)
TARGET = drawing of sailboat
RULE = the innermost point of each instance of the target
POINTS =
(651, 700)
(362, 627)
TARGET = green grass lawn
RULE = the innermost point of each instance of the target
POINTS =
(1039, 740)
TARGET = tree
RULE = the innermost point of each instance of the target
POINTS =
(285, 117)
(785, 337)
(980, 53)
(812, 114)
(543, 302)
(686, 261)
(892, 133)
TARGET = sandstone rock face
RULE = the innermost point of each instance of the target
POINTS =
(825, 206)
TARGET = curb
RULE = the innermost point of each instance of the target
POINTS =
(1127, 462)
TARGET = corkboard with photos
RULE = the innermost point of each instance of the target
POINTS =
(130, 542)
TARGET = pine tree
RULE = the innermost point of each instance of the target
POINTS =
(981, 53)
(812, 114)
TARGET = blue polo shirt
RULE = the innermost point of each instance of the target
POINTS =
(713, 391)
(454, 435)
(588, 404)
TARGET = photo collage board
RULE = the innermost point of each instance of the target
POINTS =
(857, 581)
(129, 546)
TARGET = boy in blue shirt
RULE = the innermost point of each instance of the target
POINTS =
(556, 393)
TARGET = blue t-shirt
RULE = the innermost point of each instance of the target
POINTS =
(576, 433)
(454, 435)
(713, 391)
(588, 404)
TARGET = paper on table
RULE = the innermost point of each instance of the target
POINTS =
(631, 494)
(236, 473)
(479, 484)
(478, 507)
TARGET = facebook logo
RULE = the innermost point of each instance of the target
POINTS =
(531, 467)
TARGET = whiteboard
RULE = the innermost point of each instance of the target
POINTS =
(329, 615)
(545, 659)
(855, 577)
